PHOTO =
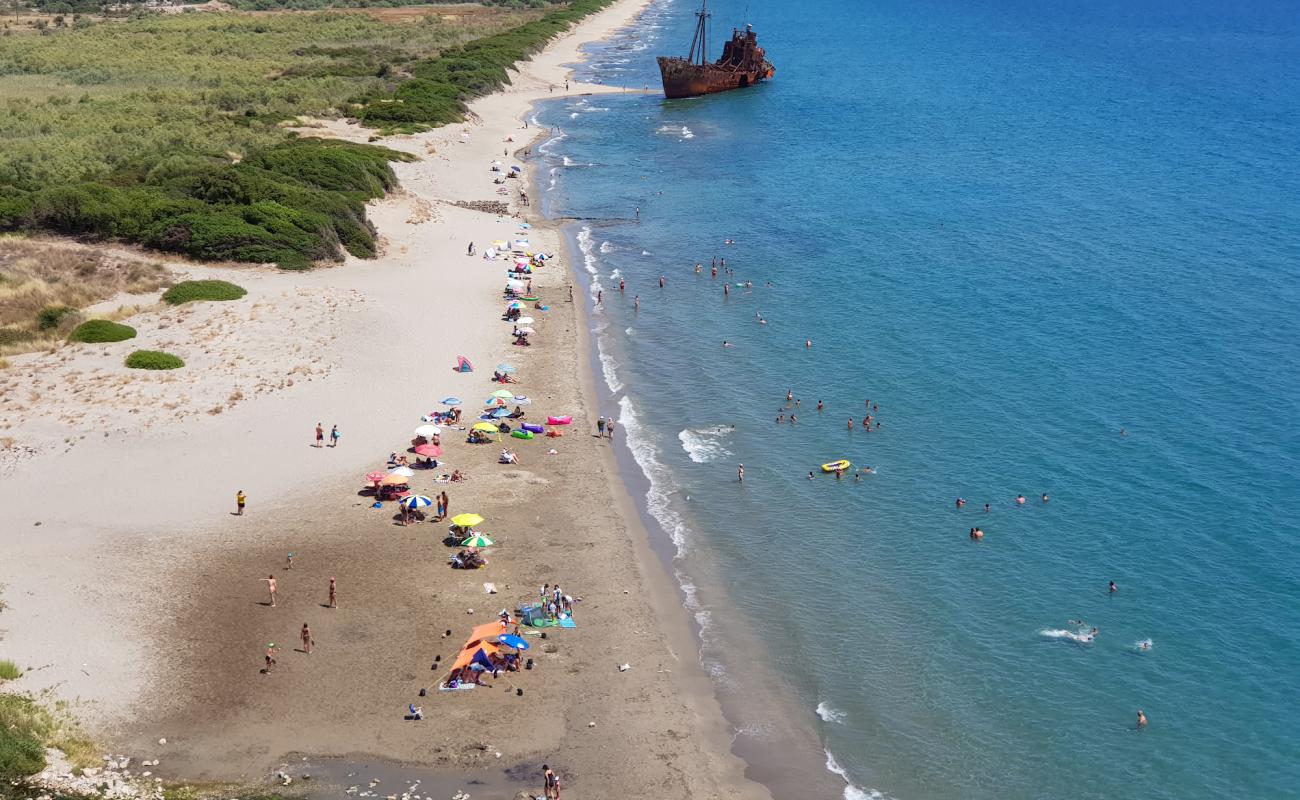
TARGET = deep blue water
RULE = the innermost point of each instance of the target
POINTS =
(1059, 245)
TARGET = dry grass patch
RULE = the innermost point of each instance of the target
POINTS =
(44, 285)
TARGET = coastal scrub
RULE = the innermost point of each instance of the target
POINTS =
(153, 359)
(97, 331)
(193, 291)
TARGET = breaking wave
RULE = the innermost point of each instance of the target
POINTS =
(705, 444)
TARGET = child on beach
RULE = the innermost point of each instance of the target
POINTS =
(240, 500)
(270, 658)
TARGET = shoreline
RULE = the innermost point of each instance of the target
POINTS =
(157, 594)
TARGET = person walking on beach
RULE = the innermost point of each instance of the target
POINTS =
(600, 426)
(240, 500)
(740, 473)
(334, 593)
(288, 561)
(307, 641)
(270, 658)
(334, 436)
(439, 515)
(270, 587)
(320, 435)
(600, 296)
(550, 783)
(446, 505)
(609, 429)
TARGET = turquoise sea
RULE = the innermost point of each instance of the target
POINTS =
(1058, 244)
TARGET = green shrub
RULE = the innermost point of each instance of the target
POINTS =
(191, 291)
(9, 670)
(15, 336)
(101, 330)
(48, 318)
(24, 727)
(152, 359)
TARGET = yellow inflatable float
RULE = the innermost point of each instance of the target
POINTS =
(837, 466)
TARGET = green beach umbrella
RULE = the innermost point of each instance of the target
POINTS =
(477, 540)
(504, 394)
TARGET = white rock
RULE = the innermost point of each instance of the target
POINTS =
(624, 667)
(162, 741)
(591, 724)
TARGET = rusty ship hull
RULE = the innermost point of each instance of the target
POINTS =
(684, 79)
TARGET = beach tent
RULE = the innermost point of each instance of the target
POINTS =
(463, 365)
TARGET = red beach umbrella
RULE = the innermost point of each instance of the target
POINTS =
(430, 450)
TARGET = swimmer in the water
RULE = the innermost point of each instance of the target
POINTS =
(1142, 719)
(820, 405)
(850, 423)
(789, 396)
(960, 502)
(986, 508)
(1020, 499)
(810, 475)
(1044, 497)
(726, 343)
(1112, 588)
(1144, 645)
(807, 343)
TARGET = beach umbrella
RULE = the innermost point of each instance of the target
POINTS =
(394, 480)
(405, 472)
(515, 304)
(477, 540)
(525, 321)
(523, 401)
(498, 413)
(430, 450)
(527, 331)
(508, 369)
(416, 501)
(451, 401)
(427, 431)
(498, 242)
(485, 426)
(524, 226)
(504, 394)
(376, 476)
(510, 640)
(466, 520)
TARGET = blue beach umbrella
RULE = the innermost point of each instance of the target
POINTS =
(451, 401)
(498, 413)
(508, 369)
(416, 501)
(510, 640)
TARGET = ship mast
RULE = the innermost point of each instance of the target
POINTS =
(701, 38)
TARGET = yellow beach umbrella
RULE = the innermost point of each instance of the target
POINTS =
(487, 427)
(466, 520)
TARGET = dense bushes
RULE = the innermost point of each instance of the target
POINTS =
(23, 728)
(191, 291)
(197, 163)
(97, 331)
(439, 88)
(153, 359)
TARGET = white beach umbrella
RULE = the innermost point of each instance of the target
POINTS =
(428, 431)
(405, 472)
(524, 321)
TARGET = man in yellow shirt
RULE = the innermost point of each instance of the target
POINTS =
(240, 499)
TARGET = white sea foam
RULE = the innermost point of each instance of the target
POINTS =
(609, 368)
(829, 714)
(662, 486)
(851, 792)
(574, 115)
(1082, 637)
(645, 252)
(607, 247)
(585, 245)
(681, 132)
(629, 331)
(568, 162)
(705, 444)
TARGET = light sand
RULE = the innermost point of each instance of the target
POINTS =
(139, 594)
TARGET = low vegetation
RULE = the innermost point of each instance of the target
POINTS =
(153, 359)
(99, 331)
(193, 291)
(439, 88)
(43, 286)
(9, 671)
(171, 131)
(27, 727)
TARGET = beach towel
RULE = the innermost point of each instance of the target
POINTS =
(442, 687)
(567, 622)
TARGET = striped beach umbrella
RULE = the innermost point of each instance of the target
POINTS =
(477, 540)
(416, 501)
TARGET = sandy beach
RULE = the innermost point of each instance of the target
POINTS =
(136, 593)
